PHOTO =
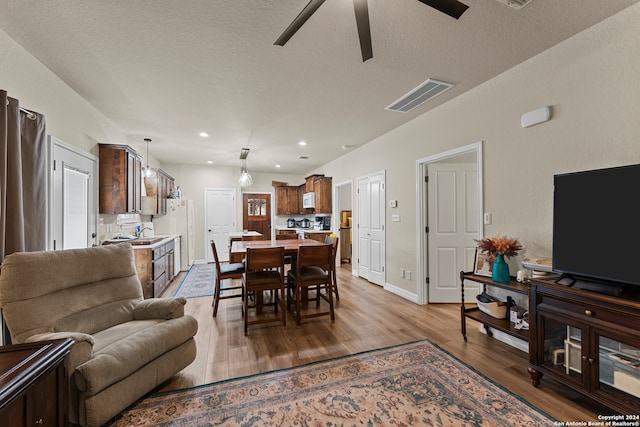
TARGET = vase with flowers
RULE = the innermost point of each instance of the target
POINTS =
(495, 249)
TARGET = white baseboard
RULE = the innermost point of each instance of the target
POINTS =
(401, 292)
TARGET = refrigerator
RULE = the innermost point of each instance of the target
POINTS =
(179, 220)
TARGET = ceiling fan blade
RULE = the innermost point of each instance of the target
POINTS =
(453, 8)
(295, 25)
(364, 30)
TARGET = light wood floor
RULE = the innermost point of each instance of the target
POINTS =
(367, 318)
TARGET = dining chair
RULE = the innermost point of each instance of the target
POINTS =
(224, 272)
(288, 259)
(264, 271)
(313, 270)
(333, 240)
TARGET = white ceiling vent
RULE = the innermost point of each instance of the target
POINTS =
(418, 96)
(516, 4)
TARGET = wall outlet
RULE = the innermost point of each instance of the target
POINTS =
(407, 275)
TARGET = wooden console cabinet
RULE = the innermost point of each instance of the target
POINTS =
(33, 384)
(588, 341)
(489, 322)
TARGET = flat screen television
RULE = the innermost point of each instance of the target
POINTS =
(596, 225)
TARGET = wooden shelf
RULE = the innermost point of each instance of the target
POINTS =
(503, 325)
(489, 322)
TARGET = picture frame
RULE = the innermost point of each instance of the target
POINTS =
(481, 266)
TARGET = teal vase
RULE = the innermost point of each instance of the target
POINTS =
(500, 272)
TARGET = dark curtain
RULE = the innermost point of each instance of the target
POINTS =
(23, 179)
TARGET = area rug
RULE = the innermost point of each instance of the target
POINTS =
(198, 282)
(415, 384)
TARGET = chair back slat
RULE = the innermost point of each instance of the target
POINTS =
(317, 255)
(265, 258)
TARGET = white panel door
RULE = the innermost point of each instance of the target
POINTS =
(371, 228)
(220, 212)
(453, 227)
(363, 228)
(73, 200)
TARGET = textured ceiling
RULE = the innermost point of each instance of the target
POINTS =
(169, 69)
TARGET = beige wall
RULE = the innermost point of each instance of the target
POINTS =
(592, 82)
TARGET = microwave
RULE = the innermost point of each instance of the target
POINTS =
(309, 200)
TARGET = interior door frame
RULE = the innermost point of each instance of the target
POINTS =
(422, 215)
(53, 142)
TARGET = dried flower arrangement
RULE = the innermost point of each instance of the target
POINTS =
(493, 246)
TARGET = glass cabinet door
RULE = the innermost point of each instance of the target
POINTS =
(564, 348)
(618, 366)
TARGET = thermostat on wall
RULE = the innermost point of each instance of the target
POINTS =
(393, 203)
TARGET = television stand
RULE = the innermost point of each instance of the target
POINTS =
(588, 341)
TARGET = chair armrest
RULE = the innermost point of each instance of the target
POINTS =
(80, 351)
(159, 308)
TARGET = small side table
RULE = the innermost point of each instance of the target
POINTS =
(33, 384)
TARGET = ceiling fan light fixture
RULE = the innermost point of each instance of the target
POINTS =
(147, 172)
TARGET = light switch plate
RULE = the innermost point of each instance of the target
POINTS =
(395, 218)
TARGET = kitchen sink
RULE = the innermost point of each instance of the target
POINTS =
(145, 240)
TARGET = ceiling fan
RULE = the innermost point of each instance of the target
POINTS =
(453, 8)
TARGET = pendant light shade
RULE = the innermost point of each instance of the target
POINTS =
(147, 172)
(245, 179)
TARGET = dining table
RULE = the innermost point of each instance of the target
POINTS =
(239, 249)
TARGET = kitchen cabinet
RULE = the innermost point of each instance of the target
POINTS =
(345, 245)
(588, 341)
(158, 188)
(120, 180)
(156, 267)
(33, 389)
(322, 187)
(287, 200)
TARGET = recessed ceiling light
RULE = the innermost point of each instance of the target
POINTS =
(303, 143)
(203, 134)
(277, 166)
(210, 162)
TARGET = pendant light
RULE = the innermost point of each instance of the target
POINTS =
(245, 179)
(147, 172)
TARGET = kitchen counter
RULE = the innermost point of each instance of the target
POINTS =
(239, 234)
(146, 242)
(303, 230)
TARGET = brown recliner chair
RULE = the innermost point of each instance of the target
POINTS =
(124, 347)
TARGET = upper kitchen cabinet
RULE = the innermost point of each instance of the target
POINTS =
(158, 188)
(120, 179)
(321, 186)
(287, 200)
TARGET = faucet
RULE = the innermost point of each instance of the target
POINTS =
(139, 230)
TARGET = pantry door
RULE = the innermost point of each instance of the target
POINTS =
(220, 217)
